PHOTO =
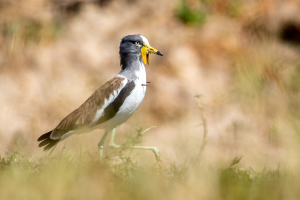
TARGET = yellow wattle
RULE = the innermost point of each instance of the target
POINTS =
(144, 54)
(148, 59)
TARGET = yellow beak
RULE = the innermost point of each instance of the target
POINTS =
(146, 50)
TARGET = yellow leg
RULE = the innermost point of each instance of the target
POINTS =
(100, 145)
(113, 145)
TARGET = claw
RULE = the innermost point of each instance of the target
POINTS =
(157, 153)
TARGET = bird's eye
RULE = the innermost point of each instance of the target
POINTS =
(137, 43)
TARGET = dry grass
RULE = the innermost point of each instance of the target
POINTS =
(76, 175)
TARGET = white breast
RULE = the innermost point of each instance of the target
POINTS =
(137, 95)
(131, 103)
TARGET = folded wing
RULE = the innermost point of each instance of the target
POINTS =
(101, 106)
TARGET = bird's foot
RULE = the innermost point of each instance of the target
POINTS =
(157, 153)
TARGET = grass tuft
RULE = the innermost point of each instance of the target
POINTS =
(76, 175)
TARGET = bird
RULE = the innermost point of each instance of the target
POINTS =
(113, 103)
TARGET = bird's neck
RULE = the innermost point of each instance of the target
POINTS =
(132, 66)
(129, 59)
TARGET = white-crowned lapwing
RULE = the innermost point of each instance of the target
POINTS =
(114, 102)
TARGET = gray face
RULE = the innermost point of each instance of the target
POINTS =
(131, 44)
(134, 52)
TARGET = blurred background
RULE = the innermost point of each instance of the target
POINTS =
(240, 58)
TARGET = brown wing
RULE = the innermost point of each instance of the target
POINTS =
(85, 114)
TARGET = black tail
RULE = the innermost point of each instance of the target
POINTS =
(47, 141)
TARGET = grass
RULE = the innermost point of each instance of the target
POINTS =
(196, 12)
(190, 16)
(78, 176)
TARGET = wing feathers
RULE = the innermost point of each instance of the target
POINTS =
(111, 110)
(100, 107)
(47, 141)
(86, 113)
(44, 136)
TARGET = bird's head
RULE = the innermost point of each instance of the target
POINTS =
(137, 45)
